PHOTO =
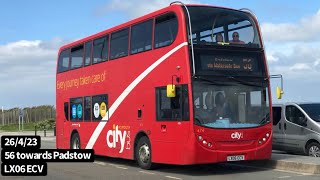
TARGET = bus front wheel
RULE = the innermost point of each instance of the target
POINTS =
(143, 153)
(75, 141)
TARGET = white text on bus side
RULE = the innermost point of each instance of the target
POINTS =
(116, 136)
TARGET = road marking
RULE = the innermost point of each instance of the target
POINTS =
(145, 172)
(171, 177)
(282, 177)
(117, 166)
(280, 170)
(100, 163)
(301, 173)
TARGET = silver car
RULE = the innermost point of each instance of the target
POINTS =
(296, 128)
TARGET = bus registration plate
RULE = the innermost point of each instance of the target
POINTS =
(235, 158)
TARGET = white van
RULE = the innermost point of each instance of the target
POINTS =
(296, 128)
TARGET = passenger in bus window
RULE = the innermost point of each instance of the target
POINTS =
(208, 113)
(222, 110)
(235, 38)
(219, 37)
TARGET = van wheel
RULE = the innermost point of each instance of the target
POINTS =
(313, 149)
(75, 141)
(143, 153)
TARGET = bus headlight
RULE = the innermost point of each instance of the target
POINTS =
(264, 139)
(205, 141)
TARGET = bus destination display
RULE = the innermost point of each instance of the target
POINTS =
(228, 63)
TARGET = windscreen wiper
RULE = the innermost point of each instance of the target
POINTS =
(243, 82)
(209, 81)
(265, 119)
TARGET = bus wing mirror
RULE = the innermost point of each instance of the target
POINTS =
(171, 90)
(279, 92)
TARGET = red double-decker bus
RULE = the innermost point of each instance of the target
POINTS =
(187, 84)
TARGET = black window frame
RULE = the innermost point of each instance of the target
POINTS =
(61, 61)
(114, 40)
(105, 43)
(85, 53)
(276, 115)
(76, 48)
(66, 110)
(77, 119)
(162, 18)
(133, 34)
(85, 108)
(182, 92)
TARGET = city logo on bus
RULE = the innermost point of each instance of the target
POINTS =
(119, 134)
(237, 135)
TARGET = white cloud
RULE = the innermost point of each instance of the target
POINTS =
(307, 29)
(295, 60)
(135, 9)
(27, 71)
(316, 63)
(300, 66)
(272, 58)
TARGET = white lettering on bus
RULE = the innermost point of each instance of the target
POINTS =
(116, 136)
(236, 135)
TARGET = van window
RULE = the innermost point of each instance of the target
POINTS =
(276, 115)
(313, 111)
(293, 114)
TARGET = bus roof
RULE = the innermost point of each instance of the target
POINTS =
(131, 22)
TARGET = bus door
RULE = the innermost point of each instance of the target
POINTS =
(172, 115)
(66, 126)
(62, 125)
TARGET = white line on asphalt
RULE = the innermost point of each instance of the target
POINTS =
(301, 173)
(100, 163)
(282, 177)
(146, 172)
(280, 170)
(171, 177)
(305, 175)
(112, 164)
(117, 166)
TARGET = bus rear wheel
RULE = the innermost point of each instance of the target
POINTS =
(313, 149)
(75, 141)
(143, 153)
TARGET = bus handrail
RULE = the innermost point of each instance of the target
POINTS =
(190, 34)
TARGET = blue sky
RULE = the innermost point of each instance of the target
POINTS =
(32, 31)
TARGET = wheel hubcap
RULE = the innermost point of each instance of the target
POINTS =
(76, 144)
(314, 151)
(144, 153)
